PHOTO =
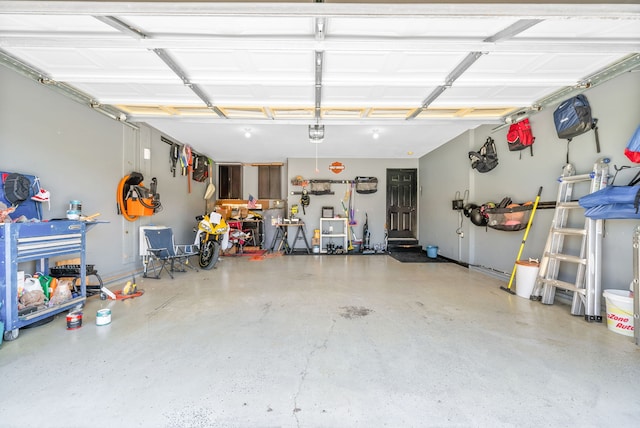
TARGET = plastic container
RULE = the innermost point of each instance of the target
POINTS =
(74, 320)
(619, 311)
(103, 317)
(73, 214)
(432, 251)
(75, 206)
(526, 274)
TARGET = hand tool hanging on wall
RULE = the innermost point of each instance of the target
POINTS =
(211, 189)
(352, 205)
(524, 239)
(346, 214)
(174, 155)
(304, 199)
(186, 161)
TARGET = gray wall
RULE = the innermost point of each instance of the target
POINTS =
(374, 204)
(446, 171)
(81, 154)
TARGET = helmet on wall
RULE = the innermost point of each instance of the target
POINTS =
(477, 217)
(468, 208)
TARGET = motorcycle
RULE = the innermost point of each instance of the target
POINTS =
(212, 233)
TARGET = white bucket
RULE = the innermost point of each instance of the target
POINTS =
(526, 274)
(619, 311)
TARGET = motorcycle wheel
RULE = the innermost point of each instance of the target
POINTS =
(209, 254)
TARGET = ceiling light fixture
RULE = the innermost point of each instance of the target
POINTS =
(376, 134)
(316, 133)
(247, 132)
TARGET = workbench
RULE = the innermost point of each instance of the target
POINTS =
(281, 238)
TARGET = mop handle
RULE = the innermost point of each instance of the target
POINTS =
(524, 238)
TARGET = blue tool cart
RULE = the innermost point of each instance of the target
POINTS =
(23, 242)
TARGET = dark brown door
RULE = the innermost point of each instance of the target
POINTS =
(401, 202)
(230, 181)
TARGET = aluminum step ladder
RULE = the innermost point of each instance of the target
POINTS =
(636, 284)
(586, 288)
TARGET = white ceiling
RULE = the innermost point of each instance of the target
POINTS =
(205, 73)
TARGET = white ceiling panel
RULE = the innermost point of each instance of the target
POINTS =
(374, 95)
(583, 29)
(418, 27)
(54, 24)
(260, 95)
(203, 62)
(559, 69)
(419, 73)
(494, 95)
(139, 93)
(222, 25)
(96, 64)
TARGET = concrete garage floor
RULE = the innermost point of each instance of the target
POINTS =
(322, 341)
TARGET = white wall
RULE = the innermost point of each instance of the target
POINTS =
(446, 170)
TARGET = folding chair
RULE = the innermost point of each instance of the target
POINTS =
(162, 249)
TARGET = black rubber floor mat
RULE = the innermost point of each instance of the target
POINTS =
(416, 257)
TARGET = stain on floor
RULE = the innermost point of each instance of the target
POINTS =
(350, 312)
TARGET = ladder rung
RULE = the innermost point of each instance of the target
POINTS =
(569, 231)
(566, 258)
(576, 178)
(568, 205)
(562, 284)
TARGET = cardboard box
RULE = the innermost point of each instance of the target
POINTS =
(224, 211)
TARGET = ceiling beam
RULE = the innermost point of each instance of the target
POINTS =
(448, 82)
(121, 26)
(512, 30)
(319, 59)
(125, 28)
(506, 33)
(617, 10)
(169, 61)
(335, 43)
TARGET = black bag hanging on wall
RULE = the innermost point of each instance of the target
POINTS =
(573, 118)
(200, 168)
(17, 188)
(366, 185)
(486, 158)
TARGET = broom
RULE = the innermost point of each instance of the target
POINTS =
(524, 239)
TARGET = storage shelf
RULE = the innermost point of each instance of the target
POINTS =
(341, 226)
(24, 242)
